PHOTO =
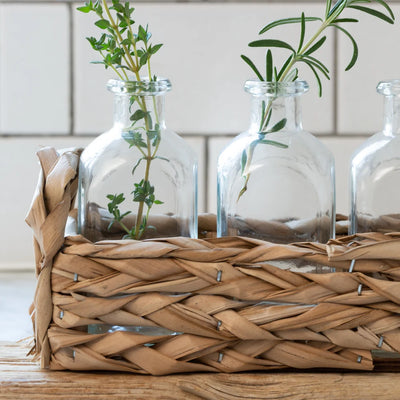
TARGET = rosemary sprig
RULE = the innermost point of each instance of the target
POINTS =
(304, 53)
(119, 47)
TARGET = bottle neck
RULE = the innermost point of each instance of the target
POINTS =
(391, 119)
(273, 110)
(141, 111)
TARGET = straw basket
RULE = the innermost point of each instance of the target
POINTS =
(219, 305)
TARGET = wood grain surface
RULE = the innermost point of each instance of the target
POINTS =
(20, 378)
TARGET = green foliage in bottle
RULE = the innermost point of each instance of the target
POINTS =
(304, 52)
(125, 51)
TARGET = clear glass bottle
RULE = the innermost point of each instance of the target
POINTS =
(278, 186)
(375, 172)
(138, 177)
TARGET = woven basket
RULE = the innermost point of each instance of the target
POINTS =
(224, 305)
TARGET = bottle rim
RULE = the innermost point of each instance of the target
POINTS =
(281, 89)
(144, 87)
(389, 87)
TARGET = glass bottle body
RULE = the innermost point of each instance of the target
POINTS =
(139, 179)
(277, 186)
(375, 172)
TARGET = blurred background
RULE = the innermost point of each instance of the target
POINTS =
(50, 94)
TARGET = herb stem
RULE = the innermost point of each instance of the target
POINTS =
(129, 61)
(113, 68)
(124, 227)
(324, 25)
(151, 79)
(139, 216)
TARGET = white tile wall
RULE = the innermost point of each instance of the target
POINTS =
(34, 69)
(201, 56)
(19, 169)
(360, 108)
(93, 105)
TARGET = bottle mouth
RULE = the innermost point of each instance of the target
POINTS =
(389, 88)
(145, 87)
(273, 89)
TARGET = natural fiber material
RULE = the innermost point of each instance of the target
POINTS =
(222, 305)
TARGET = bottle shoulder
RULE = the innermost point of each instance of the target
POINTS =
(296, 145)
(110, 148)
(379, 147)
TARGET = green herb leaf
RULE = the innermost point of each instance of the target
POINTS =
(286, 21)
(278, 126)
(316, 46)
(138, 115)
(271, 43)
(274, 143)
(328, 7)
(137, 164)
(355, 47)
(269, 66)
(302, 32)
(162, 158)
(292, 75)
(243, 160)
(317, 78)
(343, 20)
(117, 6)
(318, 64)
(155, 48)
(338, 8)
(134, 138)
(143, 59)
(115, 201)
(252, 66)
(373, 12)
(284, 67)
(386, 6)
(85, 9)
(143, 34)
(381, 2)
(102, 24)
(263, 105)
(268, 118)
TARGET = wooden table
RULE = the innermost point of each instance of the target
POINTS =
(20, 378)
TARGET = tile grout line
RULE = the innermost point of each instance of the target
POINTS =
(206, 171)
(1, 67)
(16, 135)
(336, 82)
(171, 1)
(71, 72)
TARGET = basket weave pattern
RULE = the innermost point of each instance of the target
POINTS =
(231, 307)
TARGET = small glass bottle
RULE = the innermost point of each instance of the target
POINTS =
(278, 185)
(139, 179)
(375, 172)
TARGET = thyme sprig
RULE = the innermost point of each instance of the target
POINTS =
(304, 53)
(124, 50)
